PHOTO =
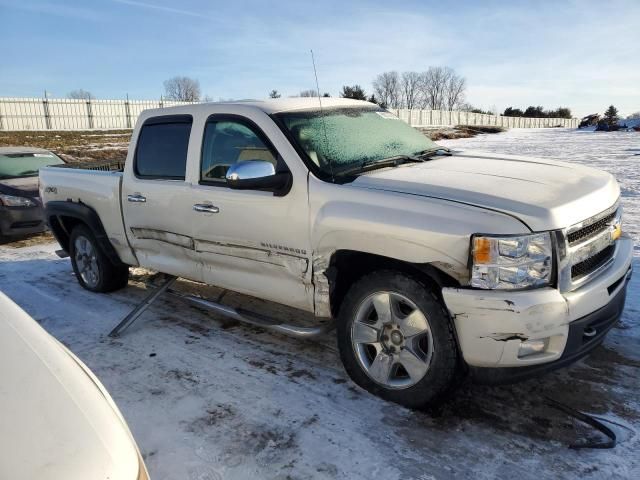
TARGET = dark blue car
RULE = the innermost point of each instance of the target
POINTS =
(20, 206)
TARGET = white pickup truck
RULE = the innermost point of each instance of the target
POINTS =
(433, 263)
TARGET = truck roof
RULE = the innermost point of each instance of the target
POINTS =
(270, 106)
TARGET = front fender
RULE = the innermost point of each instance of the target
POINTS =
(408, 228)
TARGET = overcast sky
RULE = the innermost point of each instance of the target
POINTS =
(580, 54)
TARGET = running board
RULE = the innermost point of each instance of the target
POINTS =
(257, 320)
(240, 315)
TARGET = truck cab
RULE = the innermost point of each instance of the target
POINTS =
(431, 262)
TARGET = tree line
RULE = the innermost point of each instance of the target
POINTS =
(437, 88)
(538, 112)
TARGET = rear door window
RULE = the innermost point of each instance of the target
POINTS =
(162, 147)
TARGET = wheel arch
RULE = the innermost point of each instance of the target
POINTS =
(347, 266)
(62, 217)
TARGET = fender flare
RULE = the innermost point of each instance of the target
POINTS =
(56, 211)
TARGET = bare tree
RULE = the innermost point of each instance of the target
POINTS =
(274, 94)
(634, 116)
(442, 88)
(386, 87)
(438, 88)
(456, 85)
(309, 93)
(433, 86)
(182, 89)
(80, 94)
(410, 90)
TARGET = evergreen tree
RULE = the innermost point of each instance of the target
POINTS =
(611, 116)
(356, 92)
(512, 112)
(534, 112)
(274, 94)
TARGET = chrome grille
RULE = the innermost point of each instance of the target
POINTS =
(586, 248)
(590, 230)
(592, 264)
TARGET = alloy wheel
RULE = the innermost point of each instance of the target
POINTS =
(392, 340)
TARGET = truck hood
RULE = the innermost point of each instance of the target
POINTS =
(56, 421)
(22, 187)
(543, 194)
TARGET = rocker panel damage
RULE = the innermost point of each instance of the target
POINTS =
(322, 289)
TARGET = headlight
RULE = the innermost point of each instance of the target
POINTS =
(511, 261)
(13, 201)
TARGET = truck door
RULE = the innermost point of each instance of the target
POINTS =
(250, 241)
(155, 197)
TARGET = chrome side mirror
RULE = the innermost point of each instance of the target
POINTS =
(257, 175)
(249, 170)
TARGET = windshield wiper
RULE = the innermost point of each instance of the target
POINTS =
(368, 165)
(26, 173)
(433, 151)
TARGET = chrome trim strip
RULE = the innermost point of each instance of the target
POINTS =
(592, 246)
(594, 219)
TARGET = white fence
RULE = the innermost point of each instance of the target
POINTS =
(427, 118)
(68, 114)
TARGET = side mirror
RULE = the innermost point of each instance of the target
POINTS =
(257, 175)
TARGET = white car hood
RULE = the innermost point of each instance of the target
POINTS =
(544, 194)
(55, 423)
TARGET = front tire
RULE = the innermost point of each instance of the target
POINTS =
(94, 270)
(396, 340)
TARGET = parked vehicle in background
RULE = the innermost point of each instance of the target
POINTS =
(433, 262)
(20, 205)
(589, 121)
(58, 421)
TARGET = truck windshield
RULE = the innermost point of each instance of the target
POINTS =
(341, 139)
(13, 165)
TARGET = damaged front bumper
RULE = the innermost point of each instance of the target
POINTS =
(492, 325)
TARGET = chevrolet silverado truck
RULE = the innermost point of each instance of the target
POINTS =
(431, 263)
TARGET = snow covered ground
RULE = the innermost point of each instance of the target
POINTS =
(208, 399)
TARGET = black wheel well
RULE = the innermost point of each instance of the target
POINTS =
(64, 216)
(347, 266)
(62, 226)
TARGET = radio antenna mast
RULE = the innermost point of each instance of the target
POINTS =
(324, 126)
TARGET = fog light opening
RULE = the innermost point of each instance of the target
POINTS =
(533, 347)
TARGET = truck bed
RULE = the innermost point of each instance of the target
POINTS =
(97, 185)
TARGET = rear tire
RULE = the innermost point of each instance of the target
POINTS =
(94, 270)
(396, 340)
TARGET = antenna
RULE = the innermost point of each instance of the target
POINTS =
(324, 126)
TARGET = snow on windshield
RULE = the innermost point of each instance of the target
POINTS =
(349, 136)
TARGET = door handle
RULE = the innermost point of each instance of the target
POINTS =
(136, 198)
(205, 208)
